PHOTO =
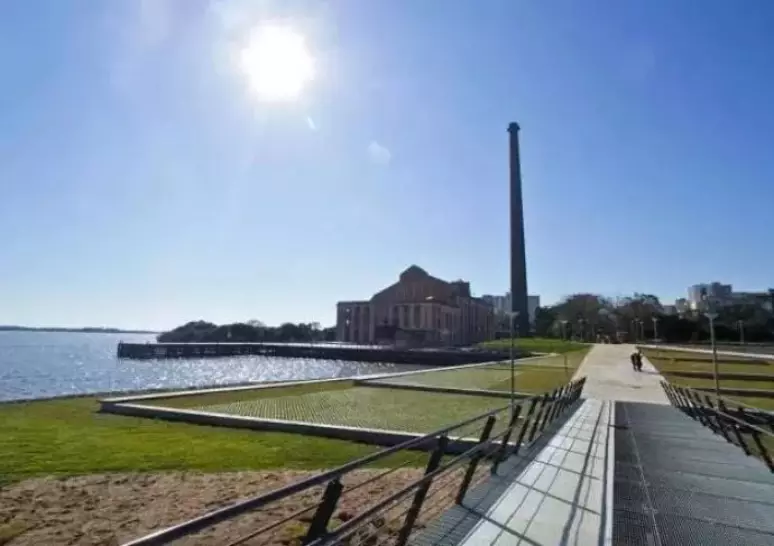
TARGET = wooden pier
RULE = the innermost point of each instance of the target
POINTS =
(357, 353)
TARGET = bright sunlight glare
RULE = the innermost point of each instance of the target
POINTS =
(277, 63)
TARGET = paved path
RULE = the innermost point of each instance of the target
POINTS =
(609, 376)
(561, 496)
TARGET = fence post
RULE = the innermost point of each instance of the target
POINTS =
(734, 427)
(549, 410)
(421, 494)
(475, 459)
(525, 424)
(695, 410)
(756, 436)
(504, 446)
(687, 404)
(718, 420)
(666, 388)
(677, 398)
(538, 417)
(556, 409)
(322, 516)
(702, 411)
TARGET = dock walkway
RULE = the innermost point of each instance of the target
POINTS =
(625, 469)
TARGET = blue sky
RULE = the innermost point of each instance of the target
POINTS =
(142, 184)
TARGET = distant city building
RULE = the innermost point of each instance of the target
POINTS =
(722, 295)
(418, 310)
(682, 306)
(699, 295)
(502, 307)
(533, 302)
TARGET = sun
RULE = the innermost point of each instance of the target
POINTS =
(277, 63)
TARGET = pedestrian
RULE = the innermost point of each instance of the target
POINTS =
(633, 358)
(638, 358)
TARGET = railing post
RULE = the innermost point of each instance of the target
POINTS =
(421, 494)
(475, 459)
(687, 404)
(504, 446)
(549, 410)
(322, 516)
(525, 424)
(698, 411)
(556, 409)
(679, 402)
(718, 420)
(667, 390)
(695, 413)
(704, 413)
(756, 436)
(735, 428)
(538, 417)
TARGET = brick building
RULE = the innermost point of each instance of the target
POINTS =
(418, 310)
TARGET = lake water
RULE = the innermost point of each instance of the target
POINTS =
(45, 364)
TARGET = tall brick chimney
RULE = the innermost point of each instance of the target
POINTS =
(518, 253)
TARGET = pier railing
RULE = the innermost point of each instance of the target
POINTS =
(749, 428)
(386, 497)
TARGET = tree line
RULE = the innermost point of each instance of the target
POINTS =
(642, 317)
(253, 331)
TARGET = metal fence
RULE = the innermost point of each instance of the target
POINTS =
(393, 509)
(749, 428)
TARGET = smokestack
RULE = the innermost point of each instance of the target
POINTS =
(518, 253)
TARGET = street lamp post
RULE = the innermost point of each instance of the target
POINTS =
(642, 330)
(712, 316)
(581, 322)
(564, 330)
(740, 323)
(655, 328)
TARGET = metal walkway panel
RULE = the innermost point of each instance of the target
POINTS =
(678, 483)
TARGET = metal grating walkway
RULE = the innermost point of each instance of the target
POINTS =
(658, 478)
(678, 483)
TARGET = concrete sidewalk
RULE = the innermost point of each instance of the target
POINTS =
(609, 376)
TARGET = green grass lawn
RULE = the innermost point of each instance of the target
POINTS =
(369, 407)
(391, 408)
(535, 345)
(67, 437)
(676, 361)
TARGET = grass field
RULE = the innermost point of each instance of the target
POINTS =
(668, 362)
(342, 403)
(67, 437)
(535, 345)
(368, 407)
(534, 375)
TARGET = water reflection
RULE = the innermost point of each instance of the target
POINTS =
(40, 364)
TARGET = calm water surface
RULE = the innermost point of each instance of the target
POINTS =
(43, 364)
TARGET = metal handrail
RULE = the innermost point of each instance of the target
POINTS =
(228, 512)
(564, 396)
(695, 403)
(727, 415)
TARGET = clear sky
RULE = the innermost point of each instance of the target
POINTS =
(144, 182)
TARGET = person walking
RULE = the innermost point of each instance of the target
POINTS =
(633, 358)
(638, 359)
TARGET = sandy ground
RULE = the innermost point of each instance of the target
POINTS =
(113, 508)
